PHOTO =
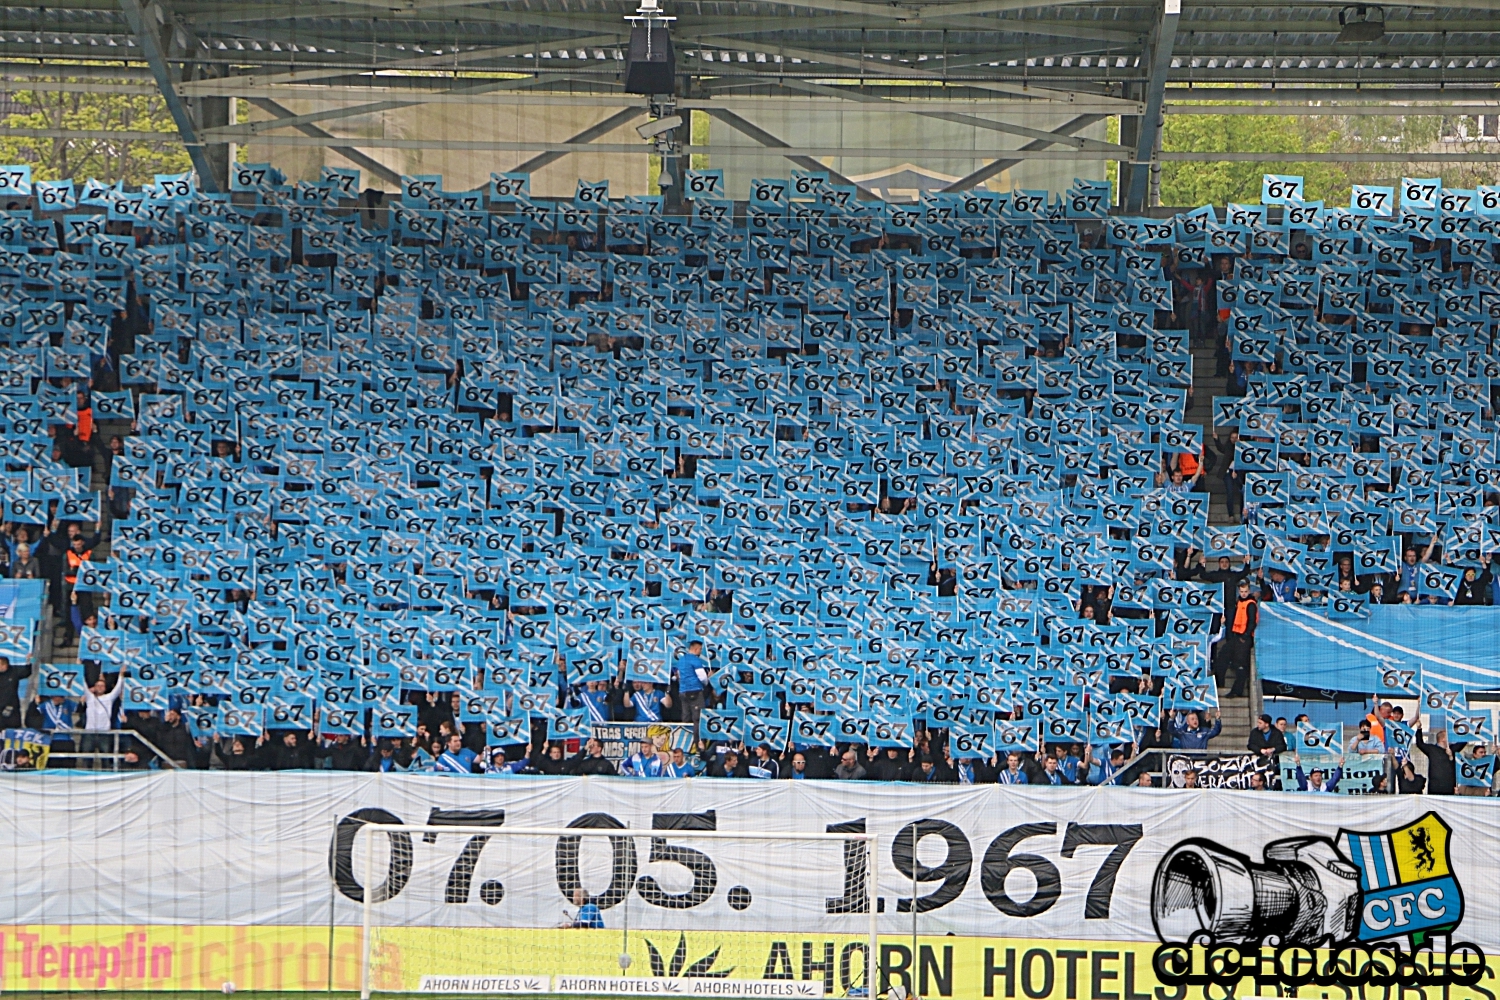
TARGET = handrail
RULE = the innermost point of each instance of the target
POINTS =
(165, 761)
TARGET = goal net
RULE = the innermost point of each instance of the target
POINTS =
(680, 909)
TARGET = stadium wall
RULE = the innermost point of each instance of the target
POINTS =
(901, 179)
(465, 170)
(186, 879)
(855, 129)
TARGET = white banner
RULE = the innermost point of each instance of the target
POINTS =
(200, 848)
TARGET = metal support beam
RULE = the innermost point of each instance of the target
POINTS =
(1451, 101)
(143, 26)
(270, 76)
(736, 26)
(243, 132)
(984, 173)
(425, 9)
(880, 69)
(83, 71)
(794, 153)
(1130, 136)
(1156, 85)
(349, 153)
(213, 113)
(1336, 99)
(1468, 107)
(934, 12)
(768, 140)
(865, 15)
(644, 149)
(589, 134)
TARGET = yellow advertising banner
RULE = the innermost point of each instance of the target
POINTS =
(297, 958)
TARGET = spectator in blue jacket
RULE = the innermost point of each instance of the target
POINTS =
(646, 701)
(644, 763)
(589, 916)
(692, 684)
(1188, 734)
(1068, 764)
(56, 716)
(1012, 774)
(456, 759)
(1318, 780)
(1103, 771)
(680, 768)
(1050, 773)
(1282, 587)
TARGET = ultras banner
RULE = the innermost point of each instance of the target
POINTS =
(1107, 865)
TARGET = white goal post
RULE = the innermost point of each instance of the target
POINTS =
(681, 908)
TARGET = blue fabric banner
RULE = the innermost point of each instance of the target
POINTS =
(1397, 650)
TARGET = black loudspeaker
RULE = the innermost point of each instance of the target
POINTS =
(650, 67)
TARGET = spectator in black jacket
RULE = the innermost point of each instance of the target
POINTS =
(795, 769)
(1225, 574)
(1266, 740)
(1408, 781)
(764, 764)
(1441, 772)
(11, 676)
(728, 765)
(1474, 588)
(384, 758)
(970, 770)
(552, 762)
(1240, 620)
(884, 765)
(52, 552)
(929, 770)
(172, 738)
(289, 753)
(822, 762)
(1229, 578)
(345, 754)
(433, 711)
(591, 760)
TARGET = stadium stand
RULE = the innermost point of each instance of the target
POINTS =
(438, 481)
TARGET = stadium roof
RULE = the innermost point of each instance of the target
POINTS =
(1089, 59)
(1094, 47)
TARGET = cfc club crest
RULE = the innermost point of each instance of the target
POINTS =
(1406, 881)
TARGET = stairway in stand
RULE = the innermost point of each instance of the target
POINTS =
(1200, 412)
(61, 643)
(1237, 713)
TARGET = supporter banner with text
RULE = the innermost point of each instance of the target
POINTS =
(212, 848)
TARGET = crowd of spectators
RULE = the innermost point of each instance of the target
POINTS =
(497, 374)
(446, 745)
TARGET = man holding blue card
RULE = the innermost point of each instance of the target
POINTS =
(692, 683)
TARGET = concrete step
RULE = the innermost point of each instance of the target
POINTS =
(1207, 385)
(1235, 715)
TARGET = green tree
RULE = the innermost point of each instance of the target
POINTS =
(1194, 183)
(1202, 183)
(108, 160)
